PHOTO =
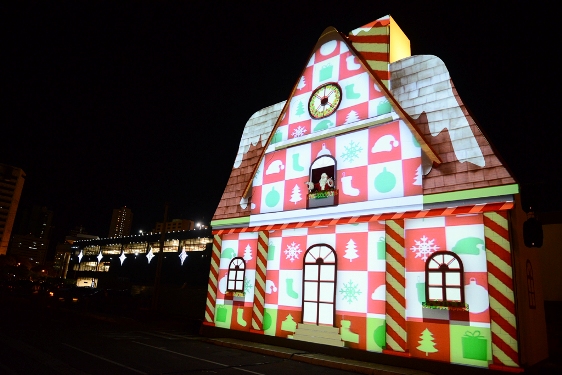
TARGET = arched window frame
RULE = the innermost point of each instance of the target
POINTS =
(328, 197)
(329, 258)
(236, 275)
(444, 273)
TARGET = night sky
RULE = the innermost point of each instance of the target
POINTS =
(136, 103)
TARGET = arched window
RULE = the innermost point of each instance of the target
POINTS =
(319, 285)
(322, 185)
(236, 273)
(444, 277)
(531, 285)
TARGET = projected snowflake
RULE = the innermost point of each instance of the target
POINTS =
(247, 286)
(100, 257)
(350, 292)
(292, 251)
(352, 151)
(424, 248)
(299, 131)
(80, 256)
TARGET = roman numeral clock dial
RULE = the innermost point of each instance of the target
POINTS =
(325, 100)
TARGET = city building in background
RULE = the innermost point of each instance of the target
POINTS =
(121, 222)
(64, 250)
(31, 234)
(11, 185)
(108, 262)
(369, 211)
(175, 225)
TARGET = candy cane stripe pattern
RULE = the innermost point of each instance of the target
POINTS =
(502, 299)
(259, 290)
(213, 281)
(478, 208)
(396, 337)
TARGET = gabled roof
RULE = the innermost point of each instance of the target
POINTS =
(327, 35)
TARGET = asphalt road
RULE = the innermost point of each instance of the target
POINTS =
(37, 339)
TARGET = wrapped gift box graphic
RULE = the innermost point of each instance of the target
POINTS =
(326, 72)
(221, 314)
(474, 346)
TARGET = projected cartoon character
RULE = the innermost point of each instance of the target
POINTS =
(325, 183)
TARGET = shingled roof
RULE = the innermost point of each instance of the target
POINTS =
(424, 89)
(254, 137)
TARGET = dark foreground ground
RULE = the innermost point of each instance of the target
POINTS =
(113, 332)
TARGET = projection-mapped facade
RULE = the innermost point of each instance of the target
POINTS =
(369, 211)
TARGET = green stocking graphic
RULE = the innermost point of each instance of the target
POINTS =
(349, 94)
(296, 165)
(239, 317)
(420, 287)
(290, 292)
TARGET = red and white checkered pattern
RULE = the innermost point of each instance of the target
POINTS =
(361, 96)
(376, 163)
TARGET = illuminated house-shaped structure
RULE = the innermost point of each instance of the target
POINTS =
(369, 211)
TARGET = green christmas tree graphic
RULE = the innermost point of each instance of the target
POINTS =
(300, 109)
(426, 343)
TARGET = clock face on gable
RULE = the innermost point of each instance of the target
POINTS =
(325, 100)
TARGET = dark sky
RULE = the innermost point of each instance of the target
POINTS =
(138, 103)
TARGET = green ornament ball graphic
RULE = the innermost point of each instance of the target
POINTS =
(379, 335)
(272, 198)
(415, 141)
(385, 181)
(267, 321)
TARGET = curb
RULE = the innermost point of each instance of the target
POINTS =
(315, 358)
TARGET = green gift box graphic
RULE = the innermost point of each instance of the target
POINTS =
(383, 108)
(381, 248)
(277, 137)
(221, 314)
(474, 346)
(326, 72)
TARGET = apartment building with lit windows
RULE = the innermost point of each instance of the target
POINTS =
(121, 222)
(11, 185)
(175, 225)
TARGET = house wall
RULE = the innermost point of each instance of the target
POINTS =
(360, 300)
(550, 259)
(531, 316)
